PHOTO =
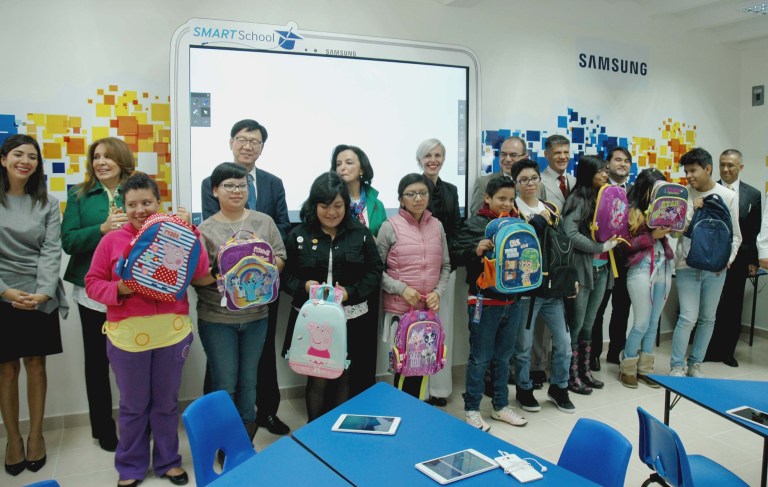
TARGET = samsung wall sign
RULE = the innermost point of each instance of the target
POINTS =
(599, 62)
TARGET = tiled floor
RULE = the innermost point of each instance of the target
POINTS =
(74, 459)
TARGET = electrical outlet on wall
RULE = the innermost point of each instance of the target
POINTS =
(758, 95)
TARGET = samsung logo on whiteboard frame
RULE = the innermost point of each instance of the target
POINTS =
(613, 64)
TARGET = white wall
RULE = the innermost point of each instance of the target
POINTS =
(527, 49)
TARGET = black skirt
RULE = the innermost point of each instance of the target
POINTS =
(28, 333)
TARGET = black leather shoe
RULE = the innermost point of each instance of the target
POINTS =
(438, 401)
(181, 479)
(273, 425)
(108, 444)
(594, 363)
(16, 468)
(35, 465)
(731, 361)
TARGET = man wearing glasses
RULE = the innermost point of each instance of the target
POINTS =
(512, 150)
(267, 195)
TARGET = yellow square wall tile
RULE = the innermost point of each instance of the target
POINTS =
(57, 183)
(103, 110)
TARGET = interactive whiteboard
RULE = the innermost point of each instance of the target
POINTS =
(313, 91)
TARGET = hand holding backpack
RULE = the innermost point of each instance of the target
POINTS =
(514, 264)
(711, 235)
(161, 258)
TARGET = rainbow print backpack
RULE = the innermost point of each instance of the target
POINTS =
(514, 264)
(669, 206)
(419, 347)
(319, 340)
(161, 258)
(248, 274)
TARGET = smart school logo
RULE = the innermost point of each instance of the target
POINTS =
(268, 39)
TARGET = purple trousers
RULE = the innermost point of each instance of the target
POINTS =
(149, 405)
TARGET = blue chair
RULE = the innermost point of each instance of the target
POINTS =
(213, 423)
(663, 452)
(596, 452)
(45, 483)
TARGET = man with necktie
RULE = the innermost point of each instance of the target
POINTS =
(722, 346)
(266, 194)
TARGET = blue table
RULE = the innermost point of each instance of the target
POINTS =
(754, 280)
(719, 395)
(284, 462)
(425, 432)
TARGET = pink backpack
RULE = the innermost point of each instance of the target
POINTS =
(611, 218)
(419, 347)
(669, 205)
(248, 274)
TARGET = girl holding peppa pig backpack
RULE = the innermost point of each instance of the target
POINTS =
(148, 342)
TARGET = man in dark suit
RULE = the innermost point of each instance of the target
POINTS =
(722, 346)
(619, 164)
(267, 195)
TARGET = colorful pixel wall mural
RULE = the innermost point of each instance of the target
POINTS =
(142, 120)
(589, 136)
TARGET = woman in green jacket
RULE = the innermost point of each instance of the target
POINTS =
(352, 164)
(95, 208)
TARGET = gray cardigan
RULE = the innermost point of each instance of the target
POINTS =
(584, 248)
(30, 250)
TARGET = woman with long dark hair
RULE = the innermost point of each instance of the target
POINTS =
(592, 267)
(95, 208)
(649, 277)
(354, 167)
(327, 235)
(31, 295)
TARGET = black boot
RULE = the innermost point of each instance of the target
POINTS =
(574, 381)
(585, 347)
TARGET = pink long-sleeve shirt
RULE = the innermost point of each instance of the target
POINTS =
(102, 279)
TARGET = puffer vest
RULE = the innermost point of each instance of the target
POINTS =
(416, 258)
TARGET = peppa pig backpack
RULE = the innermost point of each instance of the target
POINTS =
(319, 341)
(668, 207)
(161, 258)
(248, 274)
(419, 347)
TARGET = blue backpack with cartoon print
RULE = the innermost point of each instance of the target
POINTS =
(514, 263)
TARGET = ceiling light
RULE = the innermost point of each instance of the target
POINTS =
(758, 8)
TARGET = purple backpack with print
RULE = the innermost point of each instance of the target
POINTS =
(419, 347)
(248, 274)
(611, 216)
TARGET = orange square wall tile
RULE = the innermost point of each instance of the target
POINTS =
(127, 126)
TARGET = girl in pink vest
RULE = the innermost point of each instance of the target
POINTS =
(413, 247)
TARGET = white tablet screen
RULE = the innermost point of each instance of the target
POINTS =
(751, 414)
(367, 423)
(457, 465)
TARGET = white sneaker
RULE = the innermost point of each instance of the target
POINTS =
(473, 418)
(694, 370)
(677, 372)
(509, 415)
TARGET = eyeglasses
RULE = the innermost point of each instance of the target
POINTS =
(230, 188)
(420, 194)
(513, 155)
(242, 142)
(527, 181)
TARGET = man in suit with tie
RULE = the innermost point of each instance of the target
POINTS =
(266, 194)
(619, 165)
(512, 150)
(722, 346)
(558, 184)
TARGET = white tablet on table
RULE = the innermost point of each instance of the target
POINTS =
(750, 414)
(456, 466)
(373, 425)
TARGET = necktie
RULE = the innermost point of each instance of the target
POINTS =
(563, 187)
(729, 187)
(251, 193)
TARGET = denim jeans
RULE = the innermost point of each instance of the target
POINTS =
(586, 304)
(233, 351)
(699, 292)
(648, 294)
(491, 340)
(553, 313)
